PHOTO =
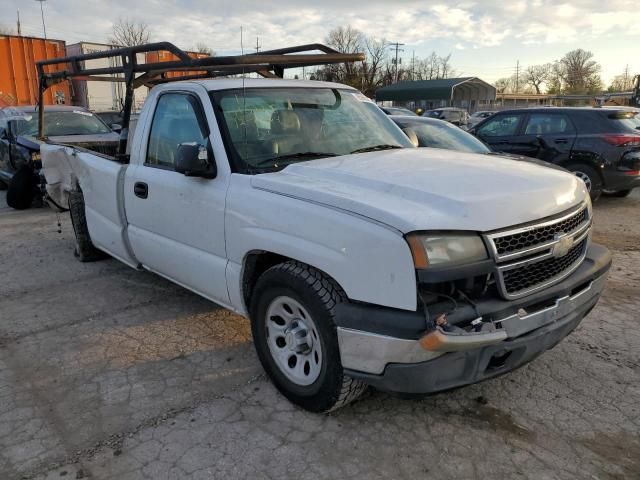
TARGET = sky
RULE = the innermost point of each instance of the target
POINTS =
(485, 38)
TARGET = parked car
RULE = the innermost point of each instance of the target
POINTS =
(456, 116)
(359, 259)
(477, 117)
(398, 111)
(111, 118)
(600, 145)
(20, 149)
(433, 133)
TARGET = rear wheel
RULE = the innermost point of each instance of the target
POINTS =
(619, 193)
(85, 250)
(292, 312)
(590, 177)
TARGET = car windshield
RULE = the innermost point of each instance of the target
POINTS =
(270, 128)
(68, 122)
(444, 135)
(432, 113)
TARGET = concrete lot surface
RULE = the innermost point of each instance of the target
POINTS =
(110, 373)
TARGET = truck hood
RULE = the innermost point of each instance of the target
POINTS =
(430, 189)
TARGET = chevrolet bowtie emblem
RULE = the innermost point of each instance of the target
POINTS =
(563, 245)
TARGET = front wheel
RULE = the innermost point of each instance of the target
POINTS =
(590, 177)
(292, 321)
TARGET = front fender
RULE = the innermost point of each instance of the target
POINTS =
(371, 262)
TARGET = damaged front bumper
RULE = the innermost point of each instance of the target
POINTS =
(387, 347)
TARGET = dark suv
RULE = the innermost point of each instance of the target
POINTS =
(600, 145)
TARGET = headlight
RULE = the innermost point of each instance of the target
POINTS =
(35, 156)
(444, 250)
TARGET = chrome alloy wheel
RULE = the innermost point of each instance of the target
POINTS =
(293, 341)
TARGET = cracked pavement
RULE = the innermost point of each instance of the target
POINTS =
(110, 373)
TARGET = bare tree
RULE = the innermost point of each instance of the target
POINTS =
(446, 70)
(128, 33)
(581, 72)
(622, 82)
(376, 56)
(345, 40)
(555, 81)
(203, 48)
(536, 75)
(503, 85)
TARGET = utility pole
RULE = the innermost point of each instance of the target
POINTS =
(413, 65)
(397, 48)
(19, 29)
(626, 78)
(44, 28)
(517, 76)
(258, 46)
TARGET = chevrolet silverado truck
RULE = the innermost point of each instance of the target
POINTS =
(359, 259)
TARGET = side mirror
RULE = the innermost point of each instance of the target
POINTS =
(193, 160)
(411, 134)
(116, 127)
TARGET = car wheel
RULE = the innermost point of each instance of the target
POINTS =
(85, 251)
(590, 177)
(292, 321)
(22, 188)
(619, 193)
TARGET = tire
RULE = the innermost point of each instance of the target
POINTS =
(618, 194)
(311, 297)
(590, 176)
(85, 251)
(22, 188)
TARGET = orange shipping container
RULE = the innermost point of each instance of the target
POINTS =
(18, 75)
(164, 56)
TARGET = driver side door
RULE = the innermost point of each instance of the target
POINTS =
(176, 222)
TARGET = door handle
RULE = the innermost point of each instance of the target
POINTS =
(141, 190)
(561, 140)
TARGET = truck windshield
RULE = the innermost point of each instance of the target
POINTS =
(270, 128)
(69, 122)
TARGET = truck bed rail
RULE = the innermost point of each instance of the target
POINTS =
(269, 63)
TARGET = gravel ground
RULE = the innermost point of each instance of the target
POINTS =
(110, 373)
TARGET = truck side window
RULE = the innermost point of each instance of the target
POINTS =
(178, 119)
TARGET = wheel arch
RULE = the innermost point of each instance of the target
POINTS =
(256, 262)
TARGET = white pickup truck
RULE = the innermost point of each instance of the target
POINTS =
(359, 259)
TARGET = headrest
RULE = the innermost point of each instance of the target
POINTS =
(285, 121)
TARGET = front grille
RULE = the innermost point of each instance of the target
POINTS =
(529, 258)
(523, 278)
(538, 235)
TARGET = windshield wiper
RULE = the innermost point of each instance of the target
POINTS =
(374, 148)
(293, 156)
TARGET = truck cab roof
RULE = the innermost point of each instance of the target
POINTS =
(233, 83)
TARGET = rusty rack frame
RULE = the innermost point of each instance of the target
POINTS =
(269, 64)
